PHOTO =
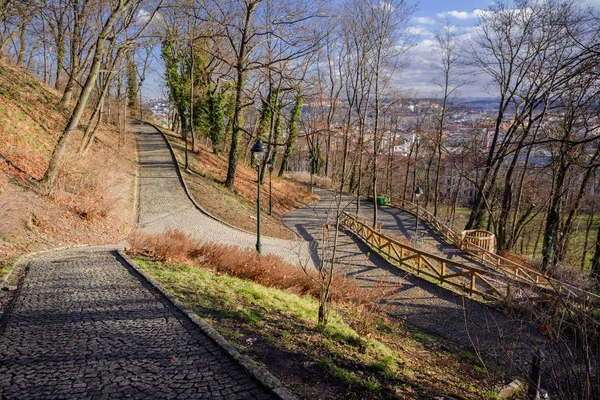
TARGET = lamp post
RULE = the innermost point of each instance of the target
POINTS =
(312, 162)
(270, 165)
(418, 193)
(258, 155)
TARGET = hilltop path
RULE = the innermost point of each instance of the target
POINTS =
(165, 205)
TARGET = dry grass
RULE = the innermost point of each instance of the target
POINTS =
(287, 195)
(206, 178)
(91, 201)
(271, 271)
(304, 177)
(91, 193)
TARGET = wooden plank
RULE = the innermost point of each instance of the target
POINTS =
(411, 257)
(398, 255)
(490, 285)
(458, 274)
(433, 268)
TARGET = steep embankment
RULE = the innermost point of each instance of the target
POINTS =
(92, 201)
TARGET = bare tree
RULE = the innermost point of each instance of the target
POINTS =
(117, 21)
(236, 22)
(446, 40)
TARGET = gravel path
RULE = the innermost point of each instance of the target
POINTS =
(164, 204)
(471, 325)
(85, 327)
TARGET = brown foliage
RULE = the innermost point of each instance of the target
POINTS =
(92, 200)
(268, 270)
(172, 246)
(304, 177)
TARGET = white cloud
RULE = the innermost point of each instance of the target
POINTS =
(418, 31)
(424, 70)
(593, 3)
(462, 15)
(424, 20)
(142, 17)
(385, 6)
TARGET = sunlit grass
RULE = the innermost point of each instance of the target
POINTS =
(373, 360)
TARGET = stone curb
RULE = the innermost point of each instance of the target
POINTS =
(260, 373)
(136, 189)
(185, 188)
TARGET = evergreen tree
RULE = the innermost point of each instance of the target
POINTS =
(132, 86)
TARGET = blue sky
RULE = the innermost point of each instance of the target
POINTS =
(430, 8)
(417, 78)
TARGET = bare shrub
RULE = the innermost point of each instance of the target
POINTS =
(171, 246)
(268, 270)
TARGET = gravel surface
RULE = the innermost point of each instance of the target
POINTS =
(470, 324)
(164, 204)
(85, 327)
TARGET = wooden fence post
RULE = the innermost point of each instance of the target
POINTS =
(442, 272)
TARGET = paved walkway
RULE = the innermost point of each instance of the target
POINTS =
(164, 204)
(85, 327)
(467, 323)
(403, 223)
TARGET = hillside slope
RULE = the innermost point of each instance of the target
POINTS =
(206, 177)
(92, 201)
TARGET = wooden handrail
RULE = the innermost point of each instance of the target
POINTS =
(493, 260)
(487, 284)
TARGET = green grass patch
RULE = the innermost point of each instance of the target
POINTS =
(245, 312)
(6, 264)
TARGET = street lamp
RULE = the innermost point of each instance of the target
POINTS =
(270, 165)
(312, 163)
(418, 193)
(258, 155)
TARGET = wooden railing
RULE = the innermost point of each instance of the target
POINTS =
(499, 264)
(487, 284)
(437, 225)
(480, 238)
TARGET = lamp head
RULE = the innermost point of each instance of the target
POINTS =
(418, 192)
(258, 153)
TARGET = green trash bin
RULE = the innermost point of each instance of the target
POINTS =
(382, 200)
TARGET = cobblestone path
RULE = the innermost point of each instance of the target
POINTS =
(85, 327)
(471, 325)
(164, 204)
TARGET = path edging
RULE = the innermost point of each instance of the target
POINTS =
(260, 373)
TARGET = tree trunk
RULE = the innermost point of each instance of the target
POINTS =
(549, 256)
(50, 175)
(60, 55)
(596, 260)
(240, 69)
(22, 44)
